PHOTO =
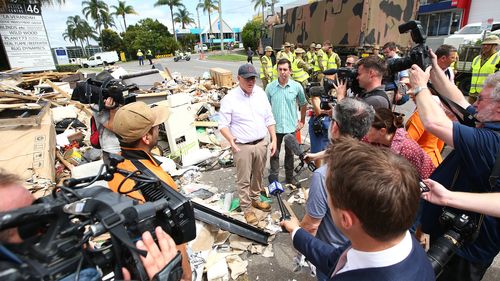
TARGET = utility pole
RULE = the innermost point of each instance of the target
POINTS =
(221, 27)
(272, 7)
(200, 30)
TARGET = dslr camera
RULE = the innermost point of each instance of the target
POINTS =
(418, 55)
(97, 90)
(460, 228)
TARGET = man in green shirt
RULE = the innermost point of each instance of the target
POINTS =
(285, 96)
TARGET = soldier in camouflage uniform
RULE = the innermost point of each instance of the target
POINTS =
(320, 63)
(332, 59)
(266, 67)
(286, 53)
(300, 69)
(311, 54)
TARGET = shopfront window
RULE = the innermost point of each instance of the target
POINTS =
(440, 23)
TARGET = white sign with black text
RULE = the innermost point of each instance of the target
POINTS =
(24, 37)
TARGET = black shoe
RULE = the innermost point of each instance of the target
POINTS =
(291, 181)
(272, 179)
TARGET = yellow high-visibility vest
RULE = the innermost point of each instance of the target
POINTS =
(480, 72)
(332, 61)
(266, 67)
(298, 74)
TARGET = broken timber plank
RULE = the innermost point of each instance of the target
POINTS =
(57, 88)
(32, 98)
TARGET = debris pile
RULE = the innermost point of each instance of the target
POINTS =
(46, 133)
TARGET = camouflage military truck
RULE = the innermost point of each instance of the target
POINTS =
(347, 24)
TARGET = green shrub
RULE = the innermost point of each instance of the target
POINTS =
(67, 67)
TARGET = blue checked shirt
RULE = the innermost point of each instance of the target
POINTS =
(284, 101)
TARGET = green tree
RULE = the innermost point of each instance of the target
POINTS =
(208, 6)
(149, 34)
(123, 9)
(188, 41)
(171, 4)
(249, 34)
(111, 40)
(183, 16)
(262, 4)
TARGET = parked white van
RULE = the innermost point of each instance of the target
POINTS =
(103, 58)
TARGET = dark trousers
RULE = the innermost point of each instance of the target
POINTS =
(250, 60)
(275, 162)
(460, 269)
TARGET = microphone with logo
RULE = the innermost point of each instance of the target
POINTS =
(294, 146)
(275, 188)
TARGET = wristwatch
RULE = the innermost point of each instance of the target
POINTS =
(417, 90)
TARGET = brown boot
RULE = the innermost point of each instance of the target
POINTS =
(261, 206)
(251, 218)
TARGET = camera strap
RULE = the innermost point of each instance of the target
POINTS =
(463, 116)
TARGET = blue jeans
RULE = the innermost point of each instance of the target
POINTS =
(87, 274)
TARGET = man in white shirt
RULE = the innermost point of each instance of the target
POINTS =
(245, 119)
(446, 55)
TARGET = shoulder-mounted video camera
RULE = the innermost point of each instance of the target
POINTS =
(57, 229)
(97, 90)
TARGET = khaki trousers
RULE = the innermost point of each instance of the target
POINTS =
(250, 162)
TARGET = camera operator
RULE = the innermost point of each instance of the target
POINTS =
(13, 196)
(104, 122)
(468, 167)
(390, 52)
(484, 203)
(370, 73)
(137, 127)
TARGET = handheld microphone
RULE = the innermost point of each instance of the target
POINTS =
(275, 188)
(294, 146)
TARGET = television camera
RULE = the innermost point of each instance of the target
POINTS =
(97, 90)
(57, 229)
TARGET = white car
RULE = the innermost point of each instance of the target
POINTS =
(469, 34)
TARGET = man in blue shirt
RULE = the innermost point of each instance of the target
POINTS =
(285, 96)
(467, 168)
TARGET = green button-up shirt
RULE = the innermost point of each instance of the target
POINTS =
(285, 101)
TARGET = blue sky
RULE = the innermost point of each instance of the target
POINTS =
(235, 12)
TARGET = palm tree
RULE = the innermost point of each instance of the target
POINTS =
(171, 4)
(262, 4)
(98, 11)
(74, 30)
(208, 6)
(183, 17)
(49, 2)
(106, 20)
(123, 9)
